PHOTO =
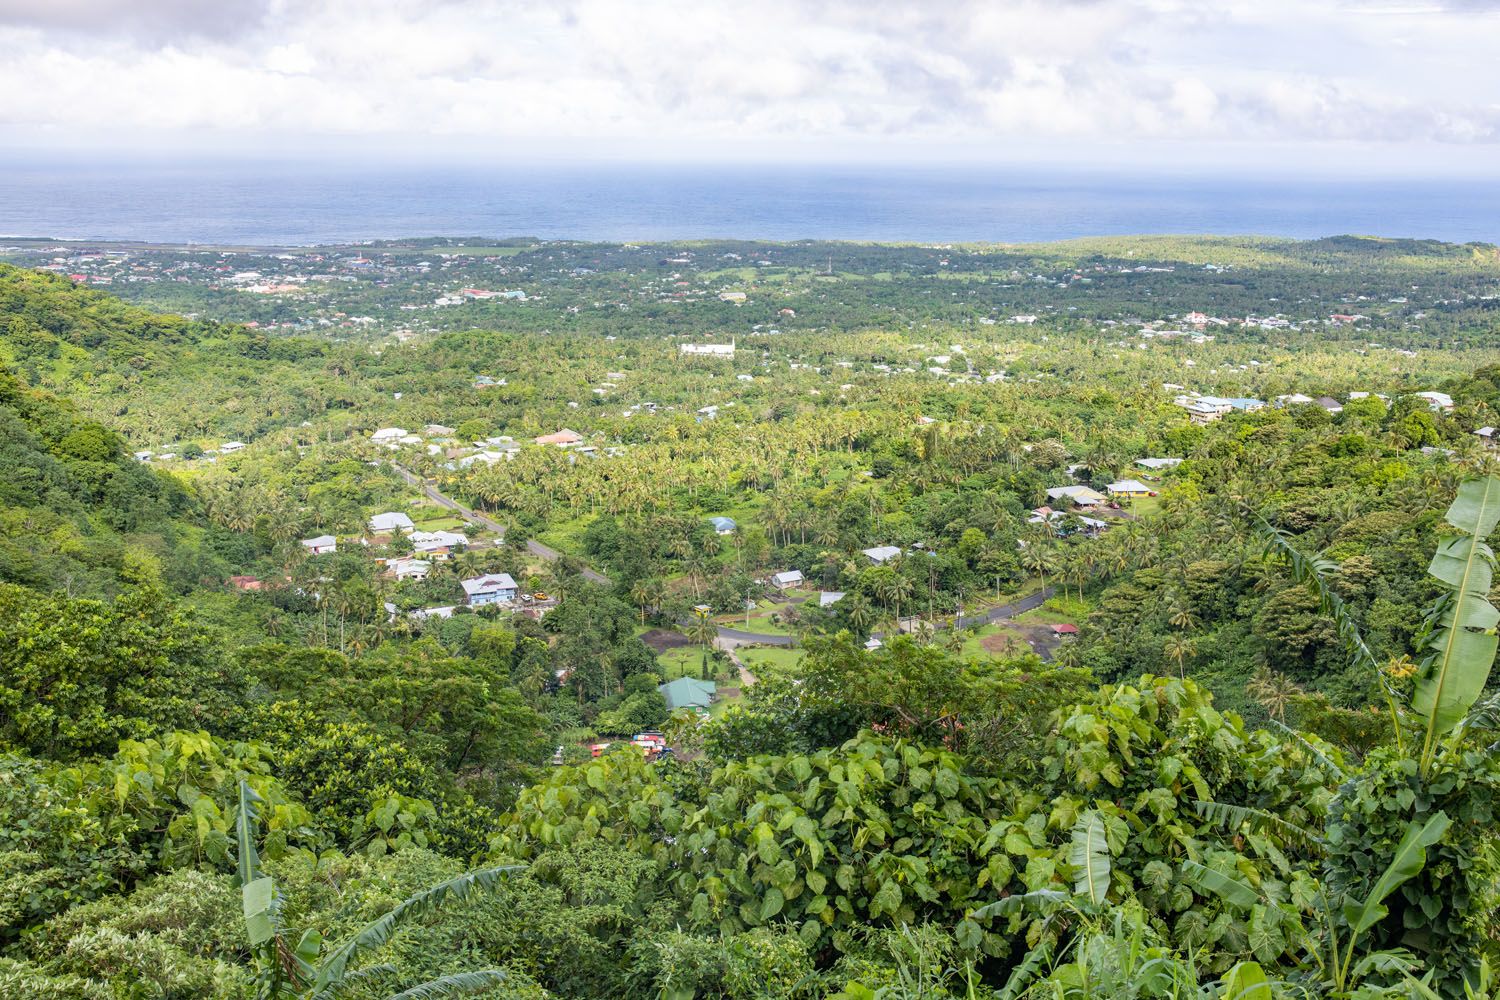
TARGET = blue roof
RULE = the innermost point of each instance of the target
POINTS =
(722, 523)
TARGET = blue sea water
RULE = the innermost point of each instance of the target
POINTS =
(285, 204)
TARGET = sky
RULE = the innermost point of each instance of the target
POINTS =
(1405, 86)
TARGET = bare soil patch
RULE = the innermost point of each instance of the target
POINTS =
(661, 639)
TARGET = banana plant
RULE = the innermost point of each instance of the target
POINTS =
(1333, 956)
(1459, 639)
(293, 964)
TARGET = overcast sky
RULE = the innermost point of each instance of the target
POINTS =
(1406, 84)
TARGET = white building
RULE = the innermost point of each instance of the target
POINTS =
(391, 521)
(881, 553)
(790, 578)
(320, 545)
(1157, 464)
(388, 435)
(715, 350)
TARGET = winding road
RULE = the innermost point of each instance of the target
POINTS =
(474, 517)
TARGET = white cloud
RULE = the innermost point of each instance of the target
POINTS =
(684, 73)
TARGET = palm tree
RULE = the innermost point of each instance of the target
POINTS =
(1181, 616)
(646, 593)
(703, 631)
(859, 612)
(1180, 648)
(1039, 559)
(1273, 690)
(893, 590)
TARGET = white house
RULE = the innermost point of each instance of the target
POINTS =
(390, 521)
(790, 578)
(722, 525)
(716, 350)
(437, 541)
(389, 434)
(827, 597)
(1157, 464)
(230, 447)
(323, 543)
(409, 569)
(1438, 401)
(881, 553)
(492, 588)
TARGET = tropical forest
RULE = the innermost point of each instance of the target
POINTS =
(727, 620)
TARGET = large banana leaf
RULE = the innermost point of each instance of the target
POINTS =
(1462, 643)
(1410, 857)
(1089, 856)
(1229, 888)
(1247, 981)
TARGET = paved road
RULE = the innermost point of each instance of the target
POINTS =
(474, 517)
(998, 613)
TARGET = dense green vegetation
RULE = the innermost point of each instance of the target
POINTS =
(1232, 738)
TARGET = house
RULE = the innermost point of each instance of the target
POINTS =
(1064, 629)
(723, 525)
(438, 431)
(881, 553)
(688, 692)
(1129, 488)
(789, 578)
(230, 447)
(714, 350)
(1202, 413)
(1293, 399)
(492, 588)
(389, 435)
(143, 456)
(1092, 527)
(384, 524)
(320, 545)
(437, 542)
(1157, 464)
(408, 569)
(1438, 401)
(564, 438)
(1487, 435)
(827, 597)
(1329, 404)
(1082, 496)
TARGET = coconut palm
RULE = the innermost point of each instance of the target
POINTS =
(1179, 648)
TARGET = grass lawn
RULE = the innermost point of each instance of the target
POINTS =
(437, 520)
(769, 658)
(974, 646)
(682, 661)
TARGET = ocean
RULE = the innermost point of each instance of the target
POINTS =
(295, 205)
